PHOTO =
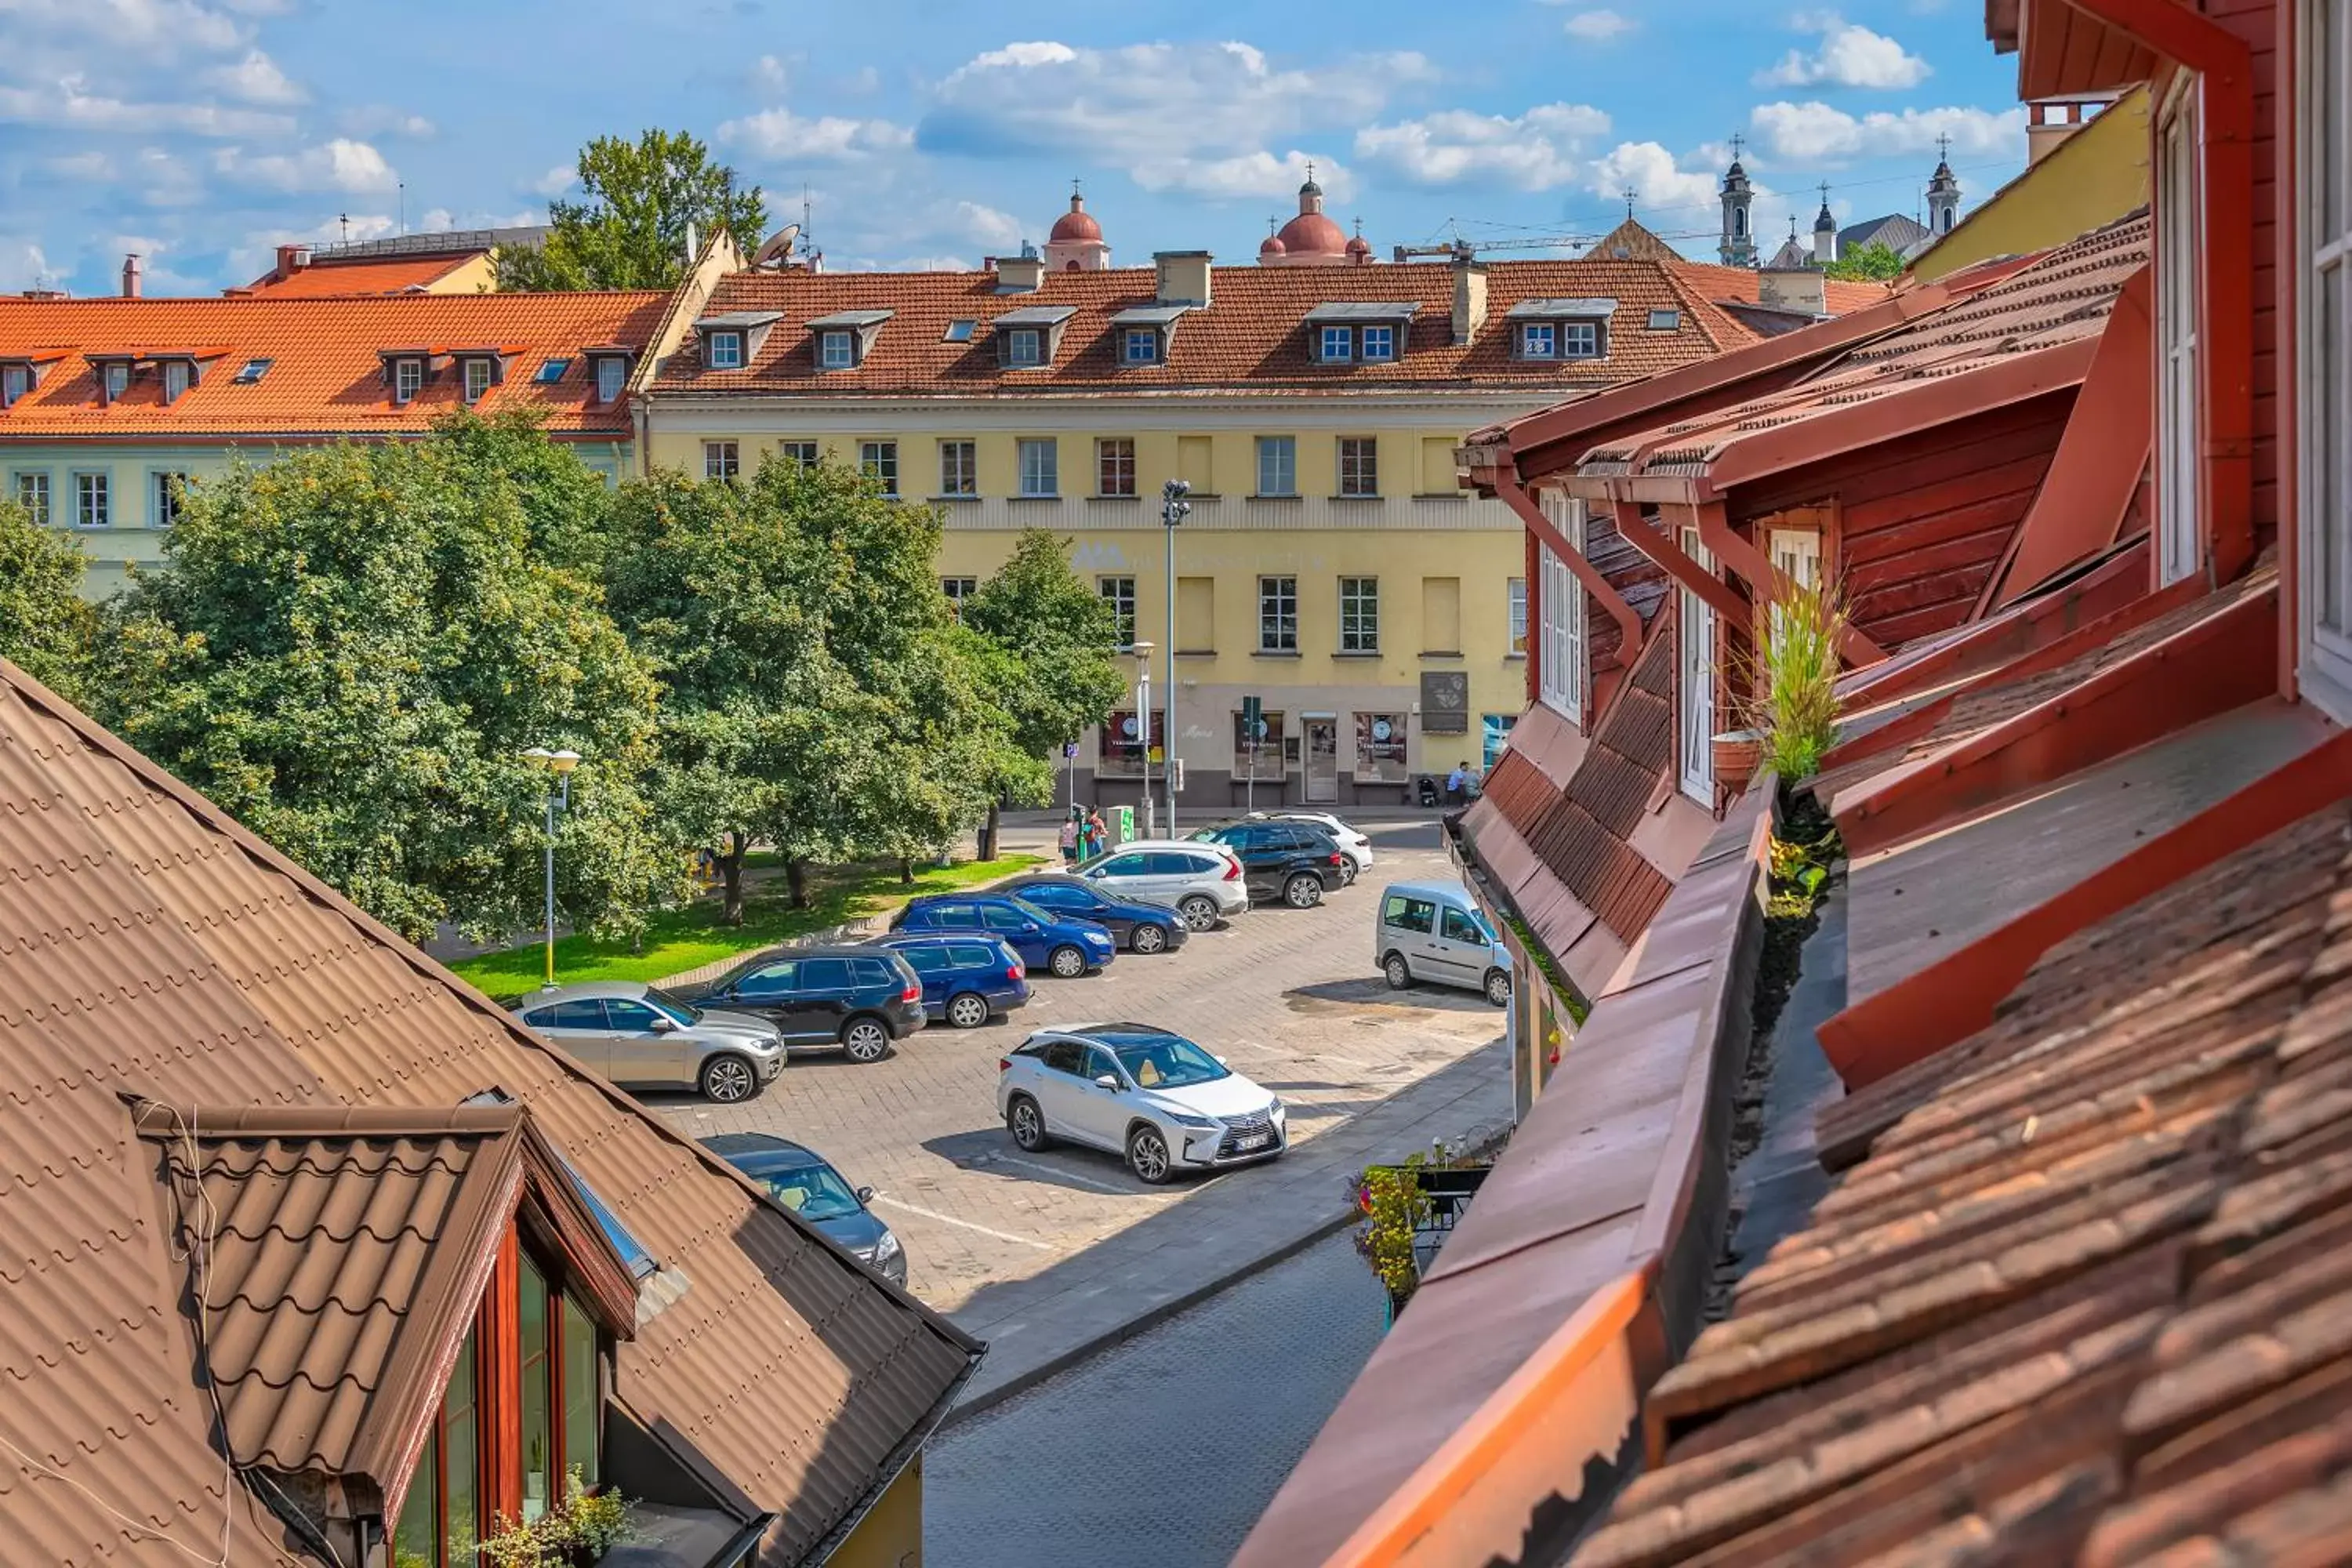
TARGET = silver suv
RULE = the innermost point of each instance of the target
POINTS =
(1204, 882)
(639, 1036)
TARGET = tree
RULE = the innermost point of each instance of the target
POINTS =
(1061, 640)
(46, 626)
(1873, 263)
(349, 649)
(631, 231)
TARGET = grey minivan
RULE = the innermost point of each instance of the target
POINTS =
(638, 1035)
(1432, 932)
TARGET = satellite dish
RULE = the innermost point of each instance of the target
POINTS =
(777, 248)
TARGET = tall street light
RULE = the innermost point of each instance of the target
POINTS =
(558, 766)
(1143, 715)
(1173, 510)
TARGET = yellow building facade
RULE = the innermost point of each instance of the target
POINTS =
(2093, 175)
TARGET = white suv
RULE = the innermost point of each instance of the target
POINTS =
(1357, 847)
(1203, 881)
(1153, 1097)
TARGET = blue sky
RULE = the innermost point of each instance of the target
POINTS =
(202, 133)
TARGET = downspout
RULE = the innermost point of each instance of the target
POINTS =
(2226, 331)
(1514, 495)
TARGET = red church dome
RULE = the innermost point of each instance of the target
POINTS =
(1077, 224)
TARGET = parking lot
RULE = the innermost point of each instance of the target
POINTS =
(1292, 998)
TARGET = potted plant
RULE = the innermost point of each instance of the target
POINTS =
(573, 1534)
(1735, 754)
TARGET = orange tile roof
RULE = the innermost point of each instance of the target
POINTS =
(387, 275)
(1253, 335)
(326, 377)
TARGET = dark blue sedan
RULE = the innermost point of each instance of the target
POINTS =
(967, 979)
(1063, 947)
(800, 1179)
(1137, 924)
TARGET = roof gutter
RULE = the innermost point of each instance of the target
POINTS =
(895, 1466)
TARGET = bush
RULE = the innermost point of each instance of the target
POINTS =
(1798, 716)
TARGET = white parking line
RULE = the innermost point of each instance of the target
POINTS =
(1063, 1175)
(951, 1219)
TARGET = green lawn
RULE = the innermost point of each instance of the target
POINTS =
(688, 939)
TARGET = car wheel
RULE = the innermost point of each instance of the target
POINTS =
(1200, 911)
(1147, 1155)
(1147, 938)
(1498, 987)
(1068, 962)
(864, 1040)
(729, 1080)
(967, 1009)
(1303, 891)
(1347, 872)
(1027, 1122)
(1399, 972)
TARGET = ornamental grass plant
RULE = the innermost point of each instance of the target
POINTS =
(1797, 715)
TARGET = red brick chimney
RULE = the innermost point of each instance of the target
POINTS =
(131, 275)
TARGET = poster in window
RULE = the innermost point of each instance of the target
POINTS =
(1260, 757)
(1122, 742)
(1379, 747)
(1445, 701)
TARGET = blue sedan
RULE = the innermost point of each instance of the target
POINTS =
(1137, 924)
(967, 979)
(1063, 947)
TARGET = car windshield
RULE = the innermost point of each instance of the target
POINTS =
(811, 1191)
(1164, 1061)
(679, 1013)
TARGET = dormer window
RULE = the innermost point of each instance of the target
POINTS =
(407, 378)
(1379, 346)
(1580, 339)
(612, 377)
(726, 351)
(1538, 340)
(15, 380)
(843, 340)
(175, 379)
(1337, 345)
(1025, 349)
(116, 378)
(837, 350)
(1562, 329)
(732, 341)
(477, 380)
(1350, 331)
(1139, 345)
(1030, 337)
(1146, 333)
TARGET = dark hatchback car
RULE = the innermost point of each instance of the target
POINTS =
(1062, 946)
(801, 1181)
(1135, 925)
(968, 978)
(859, 998)
(1291, 861)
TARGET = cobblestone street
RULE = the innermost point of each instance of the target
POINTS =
(1291, 998)
(1160, 1453)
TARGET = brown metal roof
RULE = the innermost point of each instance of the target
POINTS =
(150, 946)
(2084, 1297)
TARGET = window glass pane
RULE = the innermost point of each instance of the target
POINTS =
(1040, 467)
(537, 1438)
(412, 1537)
(461, 1462)
(1277, 466)
(825, 974)
(1277, 613)
(580, 1411)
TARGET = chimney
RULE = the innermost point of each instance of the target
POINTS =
(292, 258)
(2051, 122)
(131, 275)
(1803, 291)
(1469, 298)
(1022, 274)
(1182, 277)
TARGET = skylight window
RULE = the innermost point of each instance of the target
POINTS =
(625, 1241)
(252, 370)
(959, 330)
(1665, 321)
(552, 370)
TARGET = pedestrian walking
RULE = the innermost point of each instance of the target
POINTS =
(1098, 831)
(1457, 783)
(1070, 834)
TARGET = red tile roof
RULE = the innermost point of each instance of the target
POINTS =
(385, 274)
(1253, 333)
(2084, 1297)
(326, 377)
(150, 946)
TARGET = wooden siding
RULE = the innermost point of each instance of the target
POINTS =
(1926, 518)
(2257, 23)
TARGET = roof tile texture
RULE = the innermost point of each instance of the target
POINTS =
(148, 945)
(389, 275)
(326, 377)
(2084, 1297)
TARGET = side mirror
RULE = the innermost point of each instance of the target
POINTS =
(1028, 928)
(1107, 1082)
(866, 1194)
(663, 1024)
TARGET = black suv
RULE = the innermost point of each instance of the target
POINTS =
(1293, 862)
(860, 998)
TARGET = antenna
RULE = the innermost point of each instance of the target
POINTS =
(345, 219)
(403, 207)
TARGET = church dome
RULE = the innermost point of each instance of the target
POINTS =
(1078, 223)
(1312, 233)
(1269, 246)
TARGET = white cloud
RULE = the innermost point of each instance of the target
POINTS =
(380, 120)
(341, 164)
(1650, 173)
(92, 166)
(22, 265)
(1535, 150)
(1598, 26)
(987, 226)
(164, 29)
(1815, 132)
(256, 79)
(1850, 54)
(557, 181)
(781, 136)
(769, 76)
(163, 179)
(931, 263)
(1244, 175)
(66, 104)
(1204, 119)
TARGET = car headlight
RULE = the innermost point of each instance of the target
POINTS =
(1201, 1122)
(888, 1248)
(1274, 1108)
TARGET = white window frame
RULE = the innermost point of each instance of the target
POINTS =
(727, 350)
(1041, 466)
(1538, 340)
(1359, 467)
(1379, 346)
(2179, 219)
(1024, 348)
(178, 376)
(958, 468)
(1277, 613)
(164, 507)
(1694, 685)
(878, 461)
(1563, 664)
(805, 454)
(1115, 466)
(24, 484)
(477, 380)
(959, 589)
(93, 499)
(612, 378)
(721, 461)
(1514, 609)
(1337, 345)
(15, 380)
(1277, 459)
(407, 379)
(1359, 615)
(118, 381)
(1119, 592)
(2323, 398)
(1796, 555)
(1140, 346)
(1580, 339)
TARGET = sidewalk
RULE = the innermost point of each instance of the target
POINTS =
(1242, 1222)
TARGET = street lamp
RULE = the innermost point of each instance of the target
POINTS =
(1173, 510)
(1143, 714)
(558, 766)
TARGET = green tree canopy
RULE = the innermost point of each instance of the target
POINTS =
(349, 649)
(1876, 262)
(1061, 635)
(630, 232)
(45, 625)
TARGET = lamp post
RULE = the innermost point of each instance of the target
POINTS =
(1173, 510)
(1143, 715)
(558, 766)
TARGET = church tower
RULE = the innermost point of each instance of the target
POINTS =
(1738, 245)
(1943, 191)
(1825, 246)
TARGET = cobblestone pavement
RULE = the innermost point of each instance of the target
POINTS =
(1162, 1452)
(1290, 996)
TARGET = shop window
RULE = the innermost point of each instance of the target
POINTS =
(1379, 749)
(1258, 757)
